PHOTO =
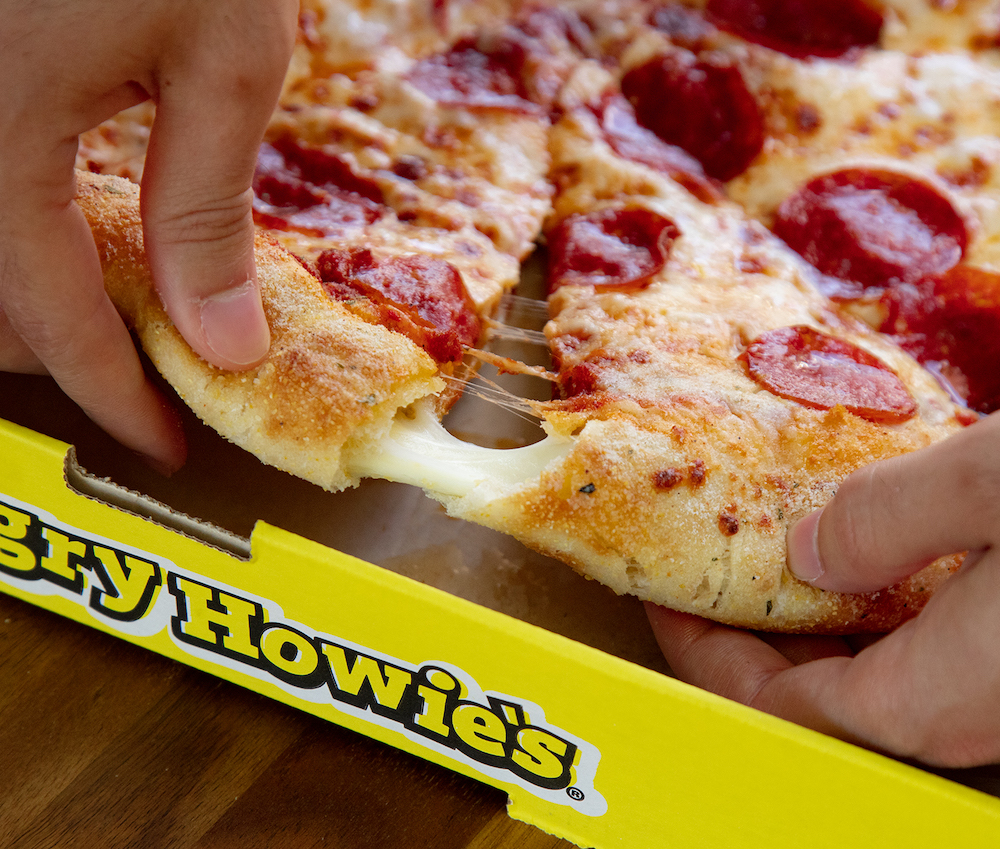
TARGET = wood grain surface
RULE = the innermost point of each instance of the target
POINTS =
(103, 744)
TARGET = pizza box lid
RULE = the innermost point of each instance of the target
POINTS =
(460, 647)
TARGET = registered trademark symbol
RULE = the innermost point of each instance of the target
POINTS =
(575, 793)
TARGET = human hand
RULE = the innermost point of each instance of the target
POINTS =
(930, 689)
(215, 71)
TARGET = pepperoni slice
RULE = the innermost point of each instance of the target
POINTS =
(702, 105)
(312, 191)
(513, 68)
(800, 28)
(633, 142)
(873, 228)
(509, 70)
(804, 365)
(611, 249)
(952, 326)
(323, 167)
(468, 78)
(422, 297)
(531, 46)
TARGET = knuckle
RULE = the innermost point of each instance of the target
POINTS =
(941, 744)
(253, 63)
(222, 221)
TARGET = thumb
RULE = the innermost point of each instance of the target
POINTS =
(893, 517)
(197, 200)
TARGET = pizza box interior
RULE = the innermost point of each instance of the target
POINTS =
(373, 609)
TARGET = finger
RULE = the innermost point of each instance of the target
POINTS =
(739, 666)
(53, 295)
(196, 197)
(15, 355)
(801, 649)
(889, 519)
(926, 691)
(723, 660)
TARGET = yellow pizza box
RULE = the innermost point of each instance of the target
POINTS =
(590, 740)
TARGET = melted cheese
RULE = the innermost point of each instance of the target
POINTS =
(418, 450)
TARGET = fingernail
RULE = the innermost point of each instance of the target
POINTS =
(234, 325)
(803, 549)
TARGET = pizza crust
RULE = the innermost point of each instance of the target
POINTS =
(330, 382)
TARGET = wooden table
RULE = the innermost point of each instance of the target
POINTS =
(103, 744)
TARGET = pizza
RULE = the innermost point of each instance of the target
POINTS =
(769, 237)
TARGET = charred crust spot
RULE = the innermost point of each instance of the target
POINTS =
(410, 167)
(365, 102)
(974, 176)
(667, 478)
(933, 135)
(729, 524)
(807, 118)
(441, 138)
(890, 111)
(588, 489)
(694, 475)
(468, 197)
(777, 483)
(754, 233)
(750, 264)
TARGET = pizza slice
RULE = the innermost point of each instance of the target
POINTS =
(331, 381)
(456, 134)
(707, 395)
(406, 196)
(444, 155)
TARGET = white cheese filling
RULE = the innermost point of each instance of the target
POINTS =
(418, 450)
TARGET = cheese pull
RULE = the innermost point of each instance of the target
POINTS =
(419, 450)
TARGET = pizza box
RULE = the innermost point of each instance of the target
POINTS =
(374, 610)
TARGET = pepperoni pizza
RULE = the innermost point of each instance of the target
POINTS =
(769, 230)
